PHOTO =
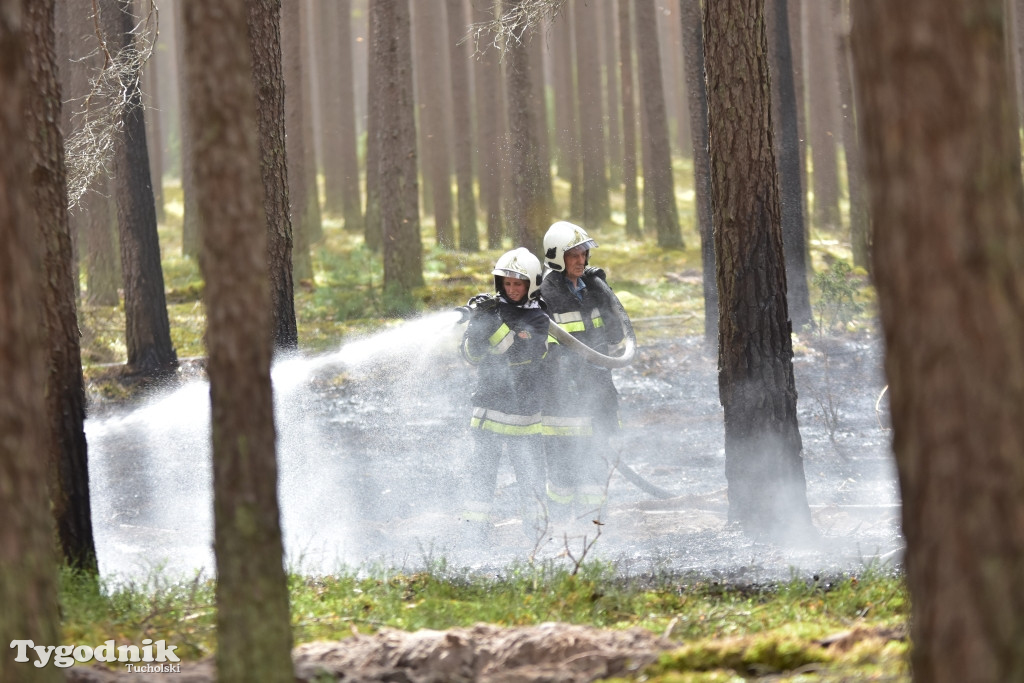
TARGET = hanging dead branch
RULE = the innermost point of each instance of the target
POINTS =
(510, 23)
(99, 115)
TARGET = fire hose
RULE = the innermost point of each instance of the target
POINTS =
(627, 345)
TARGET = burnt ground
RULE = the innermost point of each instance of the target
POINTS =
(373, 447)
(672, 436)
(372, 450)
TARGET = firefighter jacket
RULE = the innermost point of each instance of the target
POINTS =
(582, 397)
(507, 343)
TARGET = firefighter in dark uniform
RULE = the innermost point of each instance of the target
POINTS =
(581, 408)
(506, 339)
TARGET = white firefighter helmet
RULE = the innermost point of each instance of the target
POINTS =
(521, 264)
(560, 238)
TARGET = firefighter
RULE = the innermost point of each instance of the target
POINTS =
(506, 338)
(581, 408)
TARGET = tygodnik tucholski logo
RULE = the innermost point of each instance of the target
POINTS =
(152, 657)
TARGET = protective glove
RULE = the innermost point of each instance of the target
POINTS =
(482, 302)
(594, 270)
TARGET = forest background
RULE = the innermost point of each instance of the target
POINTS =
(891, 127)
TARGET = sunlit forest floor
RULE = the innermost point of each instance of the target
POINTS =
(661, 289)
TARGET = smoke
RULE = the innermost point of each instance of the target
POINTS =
(373, 450)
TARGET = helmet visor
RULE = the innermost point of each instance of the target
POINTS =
(582, 246)
(504, 272)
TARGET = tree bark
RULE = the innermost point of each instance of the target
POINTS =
(327, 49)
(264, 18)
(190, 214)
(794, 8)
(630, 196)
(313, 217)
(396, 137)
(431, 85)
(490, 131)
(529, 210)
(658, 172)
(942, 156)
(1015, 17)
(763, 460)
(697, 100)
(148, 333)
(462, 122)
(787, 152)
(28, 574)
(613, 110)
(154, 136)
(253, 622)
(823, 116)
(860, 221)
(371, 219)
(351, 201)
(539, 102)
(596, 208)
(68, 463)
(294, 102)
(567, 138)
(97, 220)
(677, 93)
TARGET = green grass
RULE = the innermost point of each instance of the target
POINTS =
(721, 631)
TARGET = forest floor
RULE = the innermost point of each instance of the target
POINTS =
(383, 491)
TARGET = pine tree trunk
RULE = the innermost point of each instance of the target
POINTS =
(697, 99)
(294, 102)
(462, 123)
(943, 163)
(823, 120)
(658, 172)
(567, 110)
(327, 48)
(97, 220)
(763, 459)
(787, 153)
(314, 228)
(28, 576)
(490, 133)
(399, 195)
(65, 387)
(190, 215)
(92, 226)
(371, 219)
(596, 208)
(539, 102)
(265, 37)
(529, 212)
(253, 621)
(613, 109)
(860, 223)
(351, 201)
(154, 134)
(629, 151)
(147, 334)
(431, 85)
